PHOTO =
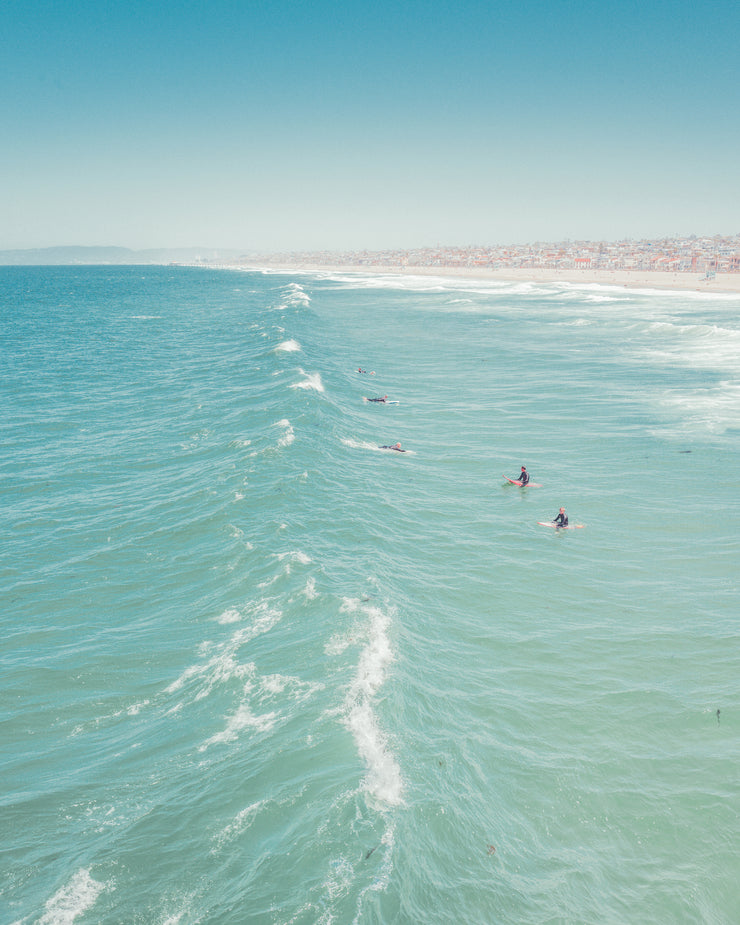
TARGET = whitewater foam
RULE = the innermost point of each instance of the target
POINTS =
(288, 346)
(288, 435)
(72, 900)
(383, 780)
(312, 381)
(243, 718)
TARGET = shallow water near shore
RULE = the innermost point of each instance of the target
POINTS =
(258, 670)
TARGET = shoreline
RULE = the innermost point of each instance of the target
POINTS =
(725, 283)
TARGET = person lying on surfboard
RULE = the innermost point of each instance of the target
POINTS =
(384, 398)
(562, 519)
(396, 447)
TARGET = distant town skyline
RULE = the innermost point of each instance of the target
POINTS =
(290, 126)
(709, 254)
(696, 253)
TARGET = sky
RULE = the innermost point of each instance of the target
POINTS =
(273, 125)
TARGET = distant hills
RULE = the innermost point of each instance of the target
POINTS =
(85, 256)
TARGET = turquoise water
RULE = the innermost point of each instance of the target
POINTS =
(257, 670)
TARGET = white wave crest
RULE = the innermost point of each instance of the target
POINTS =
(288, 435)
(224, 666)
(312, 381)
(701, 346)
(288, 346)
(229, 616)
(603, 299)
(242, 719)
(383, 779)
(72, 900)
(712, 410)
(296, 294)
(268, 691)
(243, 819)
(293, 556)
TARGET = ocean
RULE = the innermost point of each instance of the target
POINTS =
(256, 669)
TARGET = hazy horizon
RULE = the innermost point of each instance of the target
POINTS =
(343, 127)
(450, 246)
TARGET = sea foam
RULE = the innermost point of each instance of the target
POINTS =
(383, 779)
(72, 900)
(312, 381)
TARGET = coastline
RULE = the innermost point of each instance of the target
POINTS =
(726, 283)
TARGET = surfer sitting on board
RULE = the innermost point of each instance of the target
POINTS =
(524, 477)
(397, 448)
(562, 519)
(384, 398)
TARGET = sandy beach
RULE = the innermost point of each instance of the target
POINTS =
(630, 279)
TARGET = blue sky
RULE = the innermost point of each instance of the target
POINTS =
(345, 125)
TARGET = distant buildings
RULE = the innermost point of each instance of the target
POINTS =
(707, 255)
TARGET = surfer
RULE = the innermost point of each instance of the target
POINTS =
(562, 519)
(383, 399)
(524, 477)
(396, 447)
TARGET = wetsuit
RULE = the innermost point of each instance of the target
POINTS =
(524, 477)
(376, 399)
(561, 520)
(396, 448)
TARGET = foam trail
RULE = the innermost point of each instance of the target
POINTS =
(224, 666)
(243, 819)
(365, 445)
(242, 719)
(383, 780)
(72, 900)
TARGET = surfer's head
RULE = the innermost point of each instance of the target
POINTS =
(562, 510)
(398, 446)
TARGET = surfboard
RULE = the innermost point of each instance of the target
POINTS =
(549, 523)
(517, 482)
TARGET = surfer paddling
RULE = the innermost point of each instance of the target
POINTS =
(383, 399)
(396, 447)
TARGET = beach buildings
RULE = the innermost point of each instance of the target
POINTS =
(715, 254)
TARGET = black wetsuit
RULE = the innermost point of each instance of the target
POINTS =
(561, 520)
(396, 448)
(524, 477)
(376, 399)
